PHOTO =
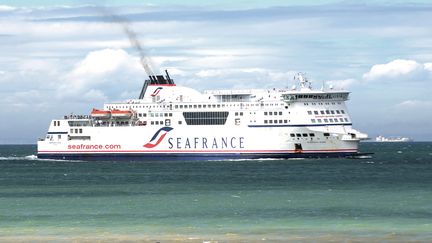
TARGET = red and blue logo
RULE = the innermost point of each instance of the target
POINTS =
(156, 92)
(158, 137)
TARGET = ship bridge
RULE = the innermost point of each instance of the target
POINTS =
(316, 96)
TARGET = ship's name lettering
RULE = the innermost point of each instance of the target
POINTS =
(206, 143)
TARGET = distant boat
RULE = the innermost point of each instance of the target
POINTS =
(393, 139)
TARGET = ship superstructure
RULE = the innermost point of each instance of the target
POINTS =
(173, 122)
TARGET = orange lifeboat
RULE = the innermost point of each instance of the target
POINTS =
(101, 114)
(121, 114)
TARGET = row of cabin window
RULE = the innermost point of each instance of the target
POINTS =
(167, 122)
(56, 123)
(322, 96)
(275, 121)
(272, 113)
(299, 135)
(329, 120)
(76, 130)
(322, 103)
(193, 106)
(155, 114)
(327, 112)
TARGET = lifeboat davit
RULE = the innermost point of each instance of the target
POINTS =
(121, 114)
(101, 114)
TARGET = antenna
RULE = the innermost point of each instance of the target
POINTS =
(304, 82)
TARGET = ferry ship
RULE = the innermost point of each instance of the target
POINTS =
(170, 122)
(393, 139)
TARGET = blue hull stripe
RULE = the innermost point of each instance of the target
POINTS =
(57, 132)
(188, 156)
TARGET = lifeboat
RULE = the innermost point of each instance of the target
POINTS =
(121, 114)
(101, 114)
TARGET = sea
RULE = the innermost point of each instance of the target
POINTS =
(386, 197)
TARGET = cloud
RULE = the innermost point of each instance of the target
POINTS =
(399, 69)
(428, 66)
(101, 62)
(6, 8)
(241, 78)
(102, 69)
(415, 104)
(394, 69)
(342, 84)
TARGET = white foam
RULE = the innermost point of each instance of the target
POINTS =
(19, 157)
(31, 157)
(34, 157)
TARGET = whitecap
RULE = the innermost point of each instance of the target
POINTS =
(28, 157)
(31, 157)
(34, 157)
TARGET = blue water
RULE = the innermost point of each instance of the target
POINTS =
(386, 198)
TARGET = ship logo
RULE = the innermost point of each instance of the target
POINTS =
(156, 92)
(158, 137)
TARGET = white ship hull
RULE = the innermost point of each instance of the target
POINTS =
(170, 143)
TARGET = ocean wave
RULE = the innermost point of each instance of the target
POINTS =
(28, 157)
(35, 158)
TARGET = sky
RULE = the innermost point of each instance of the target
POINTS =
(61, 57)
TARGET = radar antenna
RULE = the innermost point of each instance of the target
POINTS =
(304, 82)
